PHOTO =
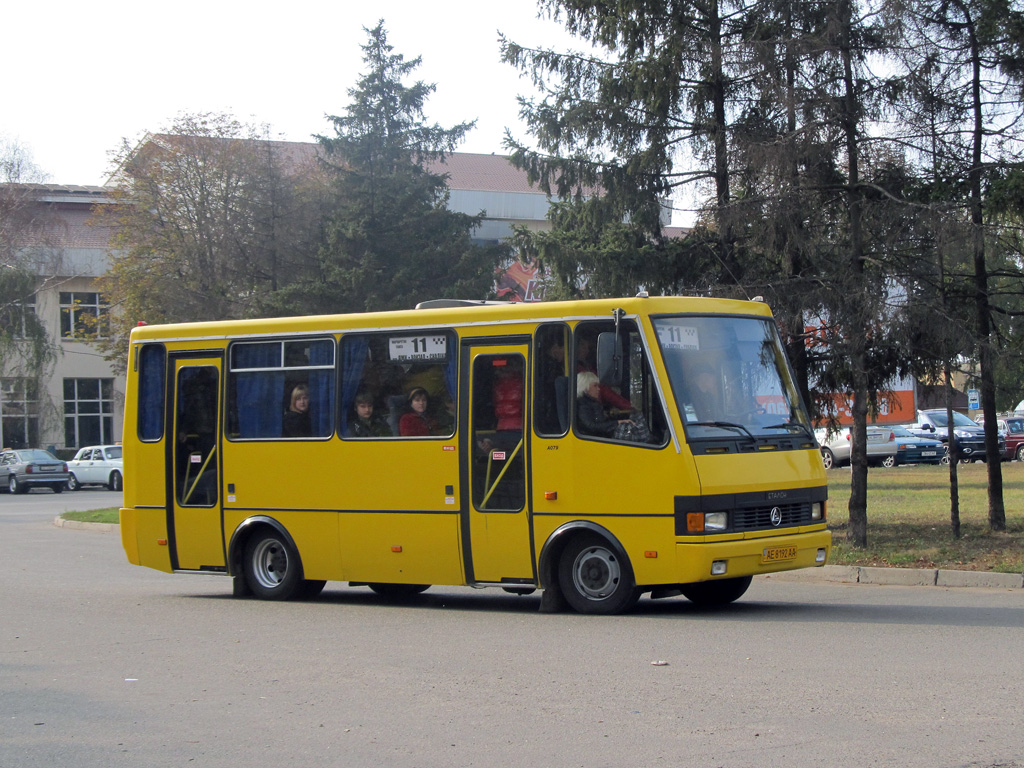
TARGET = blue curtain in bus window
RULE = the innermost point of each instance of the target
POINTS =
(452, 371)
(258, 394)
(321, 388)
(353, 358)
(152, 375)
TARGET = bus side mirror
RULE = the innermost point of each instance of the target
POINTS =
(609, 359)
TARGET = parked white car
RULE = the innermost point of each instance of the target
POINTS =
(835, 449)
(97, 465)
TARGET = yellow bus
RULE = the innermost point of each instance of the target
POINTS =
(596, 450)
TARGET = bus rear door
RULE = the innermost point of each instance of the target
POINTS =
(196, 527)
(496, 454)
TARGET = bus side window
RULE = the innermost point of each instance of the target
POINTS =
(632, 396)
(152, 381)
(281, 389)
(388, 369)
(554, 385)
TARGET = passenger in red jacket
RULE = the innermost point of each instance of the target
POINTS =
(507, 394)
(417, 422)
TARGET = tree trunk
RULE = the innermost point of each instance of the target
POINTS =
(996, 510)
(954, 486)
(858, 319)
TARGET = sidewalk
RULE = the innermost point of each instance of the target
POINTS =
(905, 577)
(80, 526)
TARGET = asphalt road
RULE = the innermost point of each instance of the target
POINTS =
(106, 664)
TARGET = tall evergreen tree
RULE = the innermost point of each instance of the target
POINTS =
(391, 240)
(614, 127)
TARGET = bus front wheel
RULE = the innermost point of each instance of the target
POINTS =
(272, 568)
(594, 579)
(720, 592)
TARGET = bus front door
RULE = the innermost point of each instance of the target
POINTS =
(196, 528)
(496, 515)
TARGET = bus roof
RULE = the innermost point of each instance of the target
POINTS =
(452, 312)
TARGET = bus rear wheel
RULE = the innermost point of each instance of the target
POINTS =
(594, 579)
(271, 567)
(720, 592)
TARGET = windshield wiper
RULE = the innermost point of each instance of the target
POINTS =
(790, 426)
(723, 425)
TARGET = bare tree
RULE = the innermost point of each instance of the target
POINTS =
(211, 218)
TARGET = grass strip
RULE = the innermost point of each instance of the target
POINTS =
(909, 523)
(109, 515)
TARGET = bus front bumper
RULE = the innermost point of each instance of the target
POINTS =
(750, 557)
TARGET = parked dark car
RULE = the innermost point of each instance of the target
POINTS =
(25, 468)
(968, 436)
(912, 449)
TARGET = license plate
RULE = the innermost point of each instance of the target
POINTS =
(778, 554)
(929, 453)
(46, 469)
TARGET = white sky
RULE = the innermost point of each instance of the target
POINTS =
(82, 76)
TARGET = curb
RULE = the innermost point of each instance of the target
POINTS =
(845, 574)
(905, 577)
(77, 525)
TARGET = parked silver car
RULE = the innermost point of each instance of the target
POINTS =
(25, 468)
(97, 465)
(835, 448)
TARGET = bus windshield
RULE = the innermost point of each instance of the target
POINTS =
(730, 376)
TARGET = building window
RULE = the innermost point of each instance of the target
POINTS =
(16, 317)
(88, 412)
(83, 315)
(19, 413)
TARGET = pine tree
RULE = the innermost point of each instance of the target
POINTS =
(391, 240)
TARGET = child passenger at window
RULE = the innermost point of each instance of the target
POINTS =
(366, 424)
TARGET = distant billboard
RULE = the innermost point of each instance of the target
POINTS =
(521, 282)
(897, 406)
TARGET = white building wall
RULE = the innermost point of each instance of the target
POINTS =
(70, 267)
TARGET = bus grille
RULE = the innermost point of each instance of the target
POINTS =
(753, 511)
(760, 518)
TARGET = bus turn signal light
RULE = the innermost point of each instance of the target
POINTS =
(651, 553)
(550, 495)
(396, 549)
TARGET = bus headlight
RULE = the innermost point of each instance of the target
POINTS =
(816, 511)
(716, 521)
